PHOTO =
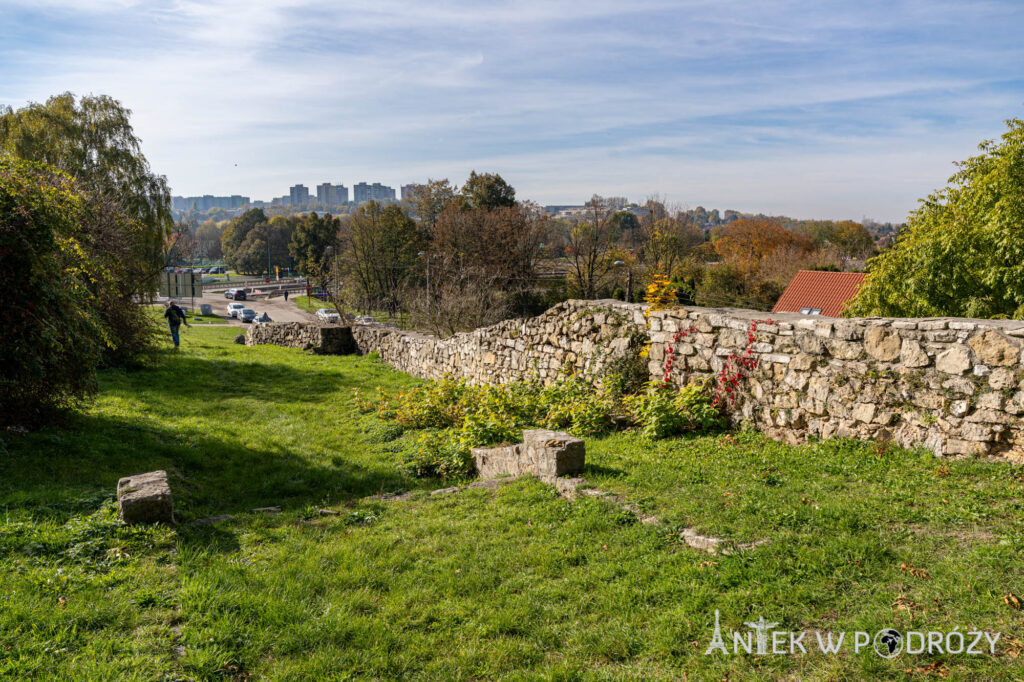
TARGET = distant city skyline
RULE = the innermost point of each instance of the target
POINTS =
(794, 107)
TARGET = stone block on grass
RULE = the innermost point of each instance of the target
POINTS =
(145, 498)
(544, 454)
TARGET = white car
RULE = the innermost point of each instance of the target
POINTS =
(247, 315)
(329, 316)
(233, 309)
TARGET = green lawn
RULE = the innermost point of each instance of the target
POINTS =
(515, 583)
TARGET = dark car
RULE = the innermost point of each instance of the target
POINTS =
(236, 294)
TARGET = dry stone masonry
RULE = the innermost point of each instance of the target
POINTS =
(951, 385)
(317, 338)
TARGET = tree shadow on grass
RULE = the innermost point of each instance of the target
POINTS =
(60, 472)
(211, 381)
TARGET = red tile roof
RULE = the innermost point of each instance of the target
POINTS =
(829, 291)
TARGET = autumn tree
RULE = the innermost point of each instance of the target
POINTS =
(430, 199)
(962, 252)
(380, 250)
(479, 265)
(592, 250)
(746, 243)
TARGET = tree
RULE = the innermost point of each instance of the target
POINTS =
(591, 250)
(381, 246)
(665, 239)
(50, 335)
(480, 265)
(747, 242)
(430, 199)
(237, 229)
(127, 213)
(314, 245)
(488, 190)
(208, 240)
(962, 252)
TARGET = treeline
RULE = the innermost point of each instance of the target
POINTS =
(455, 258)
(83, 222)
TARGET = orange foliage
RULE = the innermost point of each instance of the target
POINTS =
(746, 243)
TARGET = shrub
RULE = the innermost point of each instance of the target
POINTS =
(439, 454)
(50, 341)
(663, 411)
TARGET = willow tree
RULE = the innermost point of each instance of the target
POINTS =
(127, 213)
(962, 252)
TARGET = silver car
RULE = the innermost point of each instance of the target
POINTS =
(247, 314)
(329, 316)
(233, 309)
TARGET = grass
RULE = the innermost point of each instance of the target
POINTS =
(516, 583)
(157, 314)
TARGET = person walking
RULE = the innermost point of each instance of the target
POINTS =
(285, 295)
(175, 317)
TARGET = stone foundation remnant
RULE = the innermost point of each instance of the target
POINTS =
(316, 338)
(544, 454)
(145, 498)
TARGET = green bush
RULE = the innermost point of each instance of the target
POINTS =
(471, 416)
(50, 342)
(439, 454)
(662, 411)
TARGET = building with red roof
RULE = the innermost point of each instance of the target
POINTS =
(814, 292)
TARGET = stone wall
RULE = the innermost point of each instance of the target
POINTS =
(316, 338)
(952, 385)
(582, 336)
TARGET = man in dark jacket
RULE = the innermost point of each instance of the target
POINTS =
(175, 317)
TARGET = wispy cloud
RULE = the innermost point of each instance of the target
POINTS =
(792, 106)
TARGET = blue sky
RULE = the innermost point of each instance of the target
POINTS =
(809, 109)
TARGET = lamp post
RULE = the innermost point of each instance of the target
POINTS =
(629, 280)
(421, 254)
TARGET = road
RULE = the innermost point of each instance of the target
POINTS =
(277, 308)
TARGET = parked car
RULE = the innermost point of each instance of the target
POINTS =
(329, 316)
(365, 319)
(247, 314)
(233, 309)
(236, 294)
(262, 319)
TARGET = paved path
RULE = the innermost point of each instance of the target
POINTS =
(277, 308)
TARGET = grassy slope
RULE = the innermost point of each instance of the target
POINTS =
(515, 583)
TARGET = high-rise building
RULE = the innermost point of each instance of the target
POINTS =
(408, 191)
(331, 195)
(299, 195)
(326, 195)
(375, 192)
(208, 201)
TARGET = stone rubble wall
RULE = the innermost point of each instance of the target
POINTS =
(578, 336)
(316, 338)
(951, 385)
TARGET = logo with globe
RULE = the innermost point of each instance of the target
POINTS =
(888, 643)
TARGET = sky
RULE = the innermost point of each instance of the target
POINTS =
(811, 109)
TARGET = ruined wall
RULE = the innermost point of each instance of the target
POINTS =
(952, 385)
(316, 338)
(581, 336)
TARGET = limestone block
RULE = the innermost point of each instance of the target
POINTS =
(145, 498)
(913, 355)
(863, 412)
(844, 350)
(992, 348)
(956, 360)
(544, 454)
(882, 344)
